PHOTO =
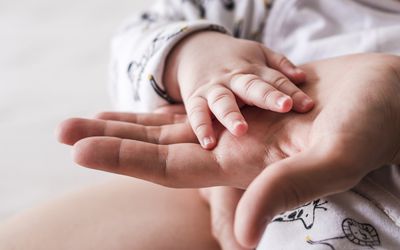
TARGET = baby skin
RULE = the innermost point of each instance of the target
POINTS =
(226, 75)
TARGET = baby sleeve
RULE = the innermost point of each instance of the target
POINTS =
(141, 46)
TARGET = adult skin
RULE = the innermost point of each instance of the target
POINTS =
(352, 130)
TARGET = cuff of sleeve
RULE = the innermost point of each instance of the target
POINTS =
(138, 62)
(161, 47)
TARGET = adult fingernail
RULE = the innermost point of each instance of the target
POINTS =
(207, 141)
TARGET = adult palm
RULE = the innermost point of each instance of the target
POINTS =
(352, 130)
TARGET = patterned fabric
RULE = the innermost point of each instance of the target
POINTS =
(367, 217)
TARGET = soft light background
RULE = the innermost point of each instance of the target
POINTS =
(53, 65)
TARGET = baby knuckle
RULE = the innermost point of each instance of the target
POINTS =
(237, 78)
(280, 81)
(228, 113)
(218, 99)
(282, 60)
(194, 111)
(217, 96)
(245, 70)
(194, 108)
(266, 95)
(194, 98)
(199, 128)
(217, 89)
(249, 85)
(296, 91)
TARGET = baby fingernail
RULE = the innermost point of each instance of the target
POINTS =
(238, 124)
(306, 102)
(207, 141)
(281, 101)
(298, 71)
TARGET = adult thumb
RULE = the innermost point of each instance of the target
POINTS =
(290, 183)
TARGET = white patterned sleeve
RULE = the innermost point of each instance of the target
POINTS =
(140, 48)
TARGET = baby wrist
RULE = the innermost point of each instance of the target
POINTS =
(182, 51)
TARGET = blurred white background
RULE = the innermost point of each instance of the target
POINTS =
(53, 65)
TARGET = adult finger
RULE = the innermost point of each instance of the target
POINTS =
(75, 129)
(143, 119)
(200, 120)
(287, 184)
(254, 91)
(172, 109)
(223, 202)
(223, 105)
(283, 64)
(177, 165)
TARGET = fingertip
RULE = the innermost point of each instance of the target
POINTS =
(303, 103)
(239, 128)
(284, 104)
(81, 152)
(308, 104)
(297, 75)
(70, 131)
(97, 152)
(208, 142)
(300, 75)
(59, 133)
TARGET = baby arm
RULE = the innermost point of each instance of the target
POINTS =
(210, 71)
(153, 66)
(140, 48)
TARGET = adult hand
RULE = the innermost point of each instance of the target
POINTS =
(355, 131)
(222, 201)
(352, 130)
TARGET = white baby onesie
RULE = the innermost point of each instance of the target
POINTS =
(366, 217)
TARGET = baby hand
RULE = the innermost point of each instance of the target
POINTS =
(210, 71)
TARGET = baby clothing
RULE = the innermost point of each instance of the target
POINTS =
(141, 46)
(366, 217)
